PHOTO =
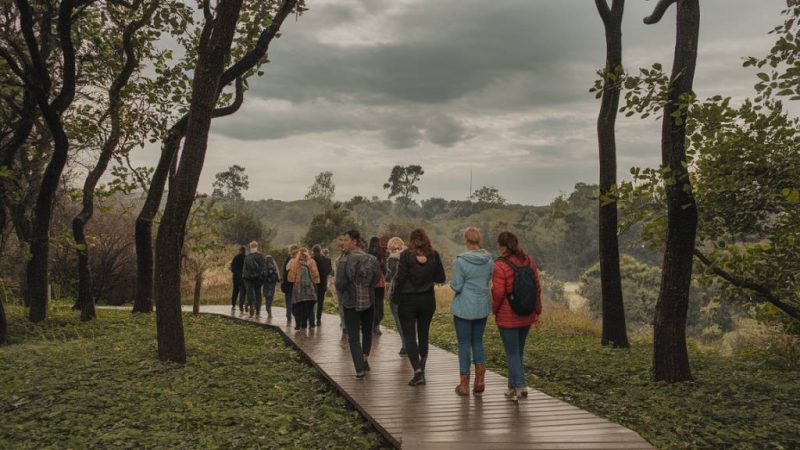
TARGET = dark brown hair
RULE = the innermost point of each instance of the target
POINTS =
(419, 242)
(509, 241)
(354, 235)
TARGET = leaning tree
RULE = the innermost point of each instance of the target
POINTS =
(210, 77)
(250, 52)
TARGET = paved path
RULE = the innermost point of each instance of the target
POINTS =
(433, 416)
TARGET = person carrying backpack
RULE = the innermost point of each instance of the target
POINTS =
(271, 278)
(356, 275)
(253, 274)
(304, 276)
(516, 304)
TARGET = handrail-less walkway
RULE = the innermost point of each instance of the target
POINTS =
(433, 416)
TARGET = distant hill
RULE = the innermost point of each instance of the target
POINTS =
(562, 236)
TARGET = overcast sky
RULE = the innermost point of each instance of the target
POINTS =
(496, 86)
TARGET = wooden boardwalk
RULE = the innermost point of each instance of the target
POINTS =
(433, 416)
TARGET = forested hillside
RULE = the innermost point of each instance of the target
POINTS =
(562, 235)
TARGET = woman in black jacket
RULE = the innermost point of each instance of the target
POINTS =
(420, 267)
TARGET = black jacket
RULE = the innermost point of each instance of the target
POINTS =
(237, 265)
(324, 267)
(416, 278)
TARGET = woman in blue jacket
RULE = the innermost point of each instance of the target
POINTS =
(471, 306)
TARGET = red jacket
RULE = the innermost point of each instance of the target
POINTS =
(502, 285)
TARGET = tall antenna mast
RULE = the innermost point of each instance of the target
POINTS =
(470, 183)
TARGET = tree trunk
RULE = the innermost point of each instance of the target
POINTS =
(213, 49)
(143, 301)
(614, 327)
(198, 285)
(670, 355)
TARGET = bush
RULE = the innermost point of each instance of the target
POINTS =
(552, 288)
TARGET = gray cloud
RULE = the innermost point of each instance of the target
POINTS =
(498, 86)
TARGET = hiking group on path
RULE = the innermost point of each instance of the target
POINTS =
(406, 274)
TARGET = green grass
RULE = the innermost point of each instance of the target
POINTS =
(735, 402)
(67, 384)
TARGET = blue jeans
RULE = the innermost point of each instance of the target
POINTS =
(394, 307)
(269, 294)
(470, 337)
(253, 294)
(514, 342)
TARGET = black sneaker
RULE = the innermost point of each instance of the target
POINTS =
(366, 365)
(403, 352)
(419, 378)
(312, 325)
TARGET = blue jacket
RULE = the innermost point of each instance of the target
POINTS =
(471, 275)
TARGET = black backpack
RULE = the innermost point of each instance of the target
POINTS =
(271, 275)
(523, 296)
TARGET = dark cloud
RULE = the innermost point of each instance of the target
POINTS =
(398, 128)
(501, 86)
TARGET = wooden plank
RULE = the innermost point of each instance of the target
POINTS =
(433, 416)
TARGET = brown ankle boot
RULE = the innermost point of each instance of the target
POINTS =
(480, 373)
(463, 387)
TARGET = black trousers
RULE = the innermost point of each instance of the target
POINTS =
(416, 312)
(238, 290)
(359, 322)
(322, 289)
(379, 294)
(303, 314)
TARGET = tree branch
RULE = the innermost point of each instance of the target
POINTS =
(659, 11)
(603, 9)
(252, 57)
(64, 98)
(12, 64)
(762, 290)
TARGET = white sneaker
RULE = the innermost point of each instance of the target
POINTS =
(511, 394)
(522, 392)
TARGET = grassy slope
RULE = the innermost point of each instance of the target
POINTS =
(735, 402)
(99, 385)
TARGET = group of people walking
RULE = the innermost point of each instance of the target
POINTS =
(406, 274)
(303, 280)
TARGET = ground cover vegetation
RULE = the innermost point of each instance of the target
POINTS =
(245, 388)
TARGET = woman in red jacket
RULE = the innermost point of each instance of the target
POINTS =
(513, 328)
